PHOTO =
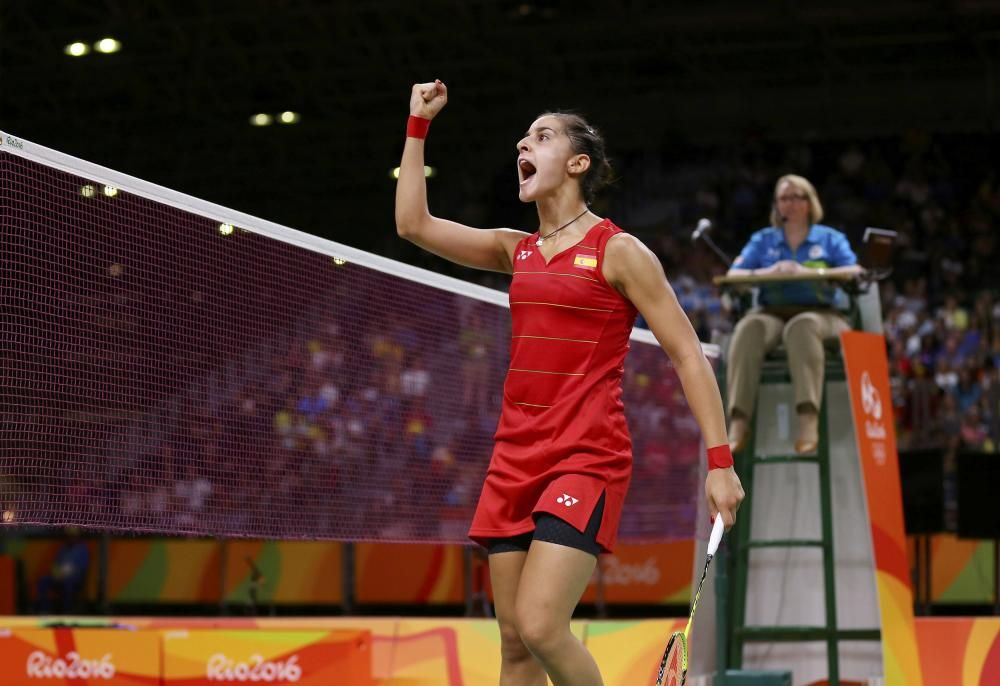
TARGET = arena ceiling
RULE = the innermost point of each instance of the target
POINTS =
(173, 106)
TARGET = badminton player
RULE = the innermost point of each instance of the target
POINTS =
(562, 458)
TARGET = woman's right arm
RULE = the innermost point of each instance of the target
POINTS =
(490, 249)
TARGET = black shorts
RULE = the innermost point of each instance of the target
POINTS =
(551, 529)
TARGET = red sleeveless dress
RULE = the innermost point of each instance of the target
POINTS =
(562, 439)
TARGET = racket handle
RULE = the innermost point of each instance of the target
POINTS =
(717, 530)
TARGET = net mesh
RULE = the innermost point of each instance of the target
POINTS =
(161, 376)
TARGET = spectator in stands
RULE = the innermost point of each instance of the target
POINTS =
(802, 315)
(192, 493)
(60, 589)
(973, 431)
(475, 344)
(415, 378)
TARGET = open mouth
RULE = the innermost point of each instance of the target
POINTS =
(526, 169)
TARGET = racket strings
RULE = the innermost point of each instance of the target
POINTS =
(673, 667)
(674, 674)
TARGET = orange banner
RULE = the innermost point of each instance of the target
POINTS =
(408, 573)
(960, 650)
(306, 658)
(80, 656)
(646, 574)
(871, 405)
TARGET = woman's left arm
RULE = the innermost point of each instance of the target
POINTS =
(631, 268)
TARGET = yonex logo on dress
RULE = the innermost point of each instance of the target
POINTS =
(524, 254)
(567, 500)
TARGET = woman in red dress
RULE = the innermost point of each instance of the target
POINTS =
(562, 459)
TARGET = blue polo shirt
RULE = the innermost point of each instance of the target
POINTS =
(823, 247)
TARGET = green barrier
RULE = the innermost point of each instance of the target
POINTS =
(746, 677)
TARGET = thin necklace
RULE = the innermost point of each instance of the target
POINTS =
(542, 239)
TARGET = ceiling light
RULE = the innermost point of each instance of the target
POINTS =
(107, 46)
(429, 172)
(289, 117)
(77, 49)
(261, 119)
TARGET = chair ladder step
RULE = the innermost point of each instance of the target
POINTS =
(787, 543)
(791, 634)
(784, 459)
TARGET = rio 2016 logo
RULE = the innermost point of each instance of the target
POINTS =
(871, 404)
(256, 669)
(72, 666)
(13, 142)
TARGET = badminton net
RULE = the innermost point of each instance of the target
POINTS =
(177, 367)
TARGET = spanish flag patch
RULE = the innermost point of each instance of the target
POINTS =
(585, 261)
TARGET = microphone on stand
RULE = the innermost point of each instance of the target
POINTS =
(704, 225)
(701, 231)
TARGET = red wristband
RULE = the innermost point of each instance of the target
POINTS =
(416, 127)
(720, 457)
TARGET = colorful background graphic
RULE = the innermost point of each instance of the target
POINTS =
(42, 656)
(423, 652)
(188, 571)
(163, 570)
(307, 658)
(961, 569)
(868, 384)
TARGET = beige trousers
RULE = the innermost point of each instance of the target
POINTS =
(760, 332)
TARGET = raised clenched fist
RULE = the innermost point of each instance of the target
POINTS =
(427, 99)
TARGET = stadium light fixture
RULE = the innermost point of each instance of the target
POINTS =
(225, 229)
(110, 191)
(77, 49)
(88, 191)
(289, 117)
(339, 261)
(108, 45)
(429, 172)
(261, 119)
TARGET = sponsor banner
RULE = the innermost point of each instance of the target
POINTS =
(304, 658)
(962, 651)
(961, 569)
(299, 572)
(646, 574)
(164, 570)
(35, 657)
(636, 574)
(408, 573)
(37, 555)
(8, 585)
(426, 652)
(871, 406)
(288, 572)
